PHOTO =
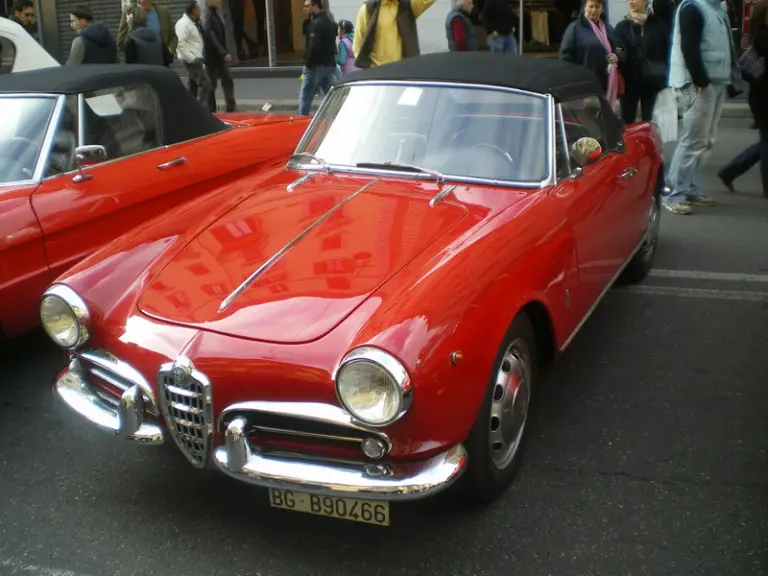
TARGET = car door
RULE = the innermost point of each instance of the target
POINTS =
(80, 210)
(594, 201)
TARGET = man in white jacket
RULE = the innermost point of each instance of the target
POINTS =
(190, 52)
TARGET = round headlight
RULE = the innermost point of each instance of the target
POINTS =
(64, 316)
(373, 386)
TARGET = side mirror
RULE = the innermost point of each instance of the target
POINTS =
(88, 156)
(586, 151)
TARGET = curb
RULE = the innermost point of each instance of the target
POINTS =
(730, 109)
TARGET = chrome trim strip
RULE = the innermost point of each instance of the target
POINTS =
(125, 419)
(80, 119)
(547, 181)
(551, 179)
(561, 131)
(45, 149)
(602, 294)
(280, 253)
(369, 481)
(309, 411)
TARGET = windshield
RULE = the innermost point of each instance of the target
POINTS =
(472, 133)
(22, 130)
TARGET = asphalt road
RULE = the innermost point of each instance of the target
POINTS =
(647, 452)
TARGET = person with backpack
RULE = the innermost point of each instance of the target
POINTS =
(144, 45)
(346, 56)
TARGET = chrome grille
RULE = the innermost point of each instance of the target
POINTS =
(109, 377)
(317, 426)
(185, 398)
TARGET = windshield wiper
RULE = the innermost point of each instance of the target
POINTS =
(402, 168)
(312, 157)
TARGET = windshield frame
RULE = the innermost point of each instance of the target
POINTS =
(548, 180)
(47, 142)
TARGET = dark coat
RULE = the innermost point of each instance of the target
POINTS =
(580, 45)
(99, 45)
(646, 50)
(758, 90)
(214, 37)
(321, 50)
(145, 46)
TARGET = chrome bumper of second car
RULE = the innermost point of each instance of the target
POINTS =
(127, 420)
(371, 481)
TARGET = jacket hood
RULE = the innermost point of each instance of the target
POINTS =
(146, 34)
(97, 33)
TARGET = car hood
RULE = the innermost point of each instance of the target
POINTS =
(287, 266)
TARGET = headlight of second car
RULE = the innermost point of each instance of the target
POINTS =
(373, 386)
(64, 316)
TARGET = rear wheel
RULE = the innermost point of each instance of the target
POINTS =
(495, 444)
(642, 262)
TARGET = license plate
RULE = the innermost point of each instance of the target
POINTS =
(343, 508)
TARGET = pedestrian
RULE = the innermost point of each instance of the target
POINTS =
(591, 42)
(158, 19)
(94, 43)
(753, 72)
(644, 38)
(459, 27)
(190, 52)
(346, 55)
(217, 57)
(387, 32)
(23, 13)
(499, 19)
(144, 45)
(701, 81)
(320, 65)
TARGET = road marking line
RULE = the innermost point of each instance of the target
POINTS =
(742, 295)
(697, 275)
(19, 567)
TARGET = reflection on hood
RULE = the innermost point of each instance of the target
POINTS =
(145, 33)
(97, 33)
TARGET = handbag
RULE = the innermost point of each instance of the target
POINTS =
(751, 65)
(665, 114)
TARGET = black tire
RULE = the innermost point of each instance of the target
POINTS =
(642, 262)
(484, 479)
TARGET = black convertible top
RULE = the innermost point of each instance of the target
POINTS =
(541, 75)
(183, 117)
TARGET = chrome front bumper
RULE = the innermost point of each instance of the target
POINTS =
(372, 481)
(126, 421)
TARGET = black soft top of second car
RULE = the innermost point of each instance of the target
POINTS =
(183, 117)
(540, 75)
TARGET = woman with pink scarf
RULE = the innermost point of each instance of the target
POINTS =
(589, 41)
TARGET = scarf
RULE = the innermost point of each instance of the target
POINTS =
(638, 17)
(613, 80)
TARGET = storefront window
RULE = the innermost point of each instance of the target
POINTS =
(249, 31)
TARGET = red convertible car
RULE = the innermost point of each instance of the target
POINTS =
(366, 324)
(88, 152)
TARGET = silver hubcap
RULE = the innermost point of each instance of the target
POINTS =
(511, 399)
(654, 221)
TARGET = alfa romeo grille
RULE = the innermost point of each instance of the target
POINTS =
(186, 403)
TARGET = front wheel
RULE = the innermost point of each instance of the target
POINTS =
(495, 443)
(642, 261)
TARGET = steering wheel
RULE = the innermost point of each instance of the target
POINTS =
(496, 149)
(455, 136)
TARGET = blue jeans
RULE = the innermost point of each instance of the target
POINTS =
(502, 43)
(701, 114)
(321, 77)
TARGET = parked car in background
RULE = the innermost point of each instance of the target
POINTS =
(20, 52)
(89, 152)
(366, 325)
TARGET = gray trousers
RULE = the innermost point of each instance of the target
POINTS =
(197, 81)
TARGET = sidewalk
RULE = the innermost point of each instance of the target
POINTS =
(282, 93)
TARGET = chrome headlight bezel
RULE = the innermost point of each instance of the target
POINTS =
(391, 367)
(80, 314)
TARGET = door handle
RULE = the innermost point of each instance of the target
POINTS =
(628, 173)
(177, 162)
